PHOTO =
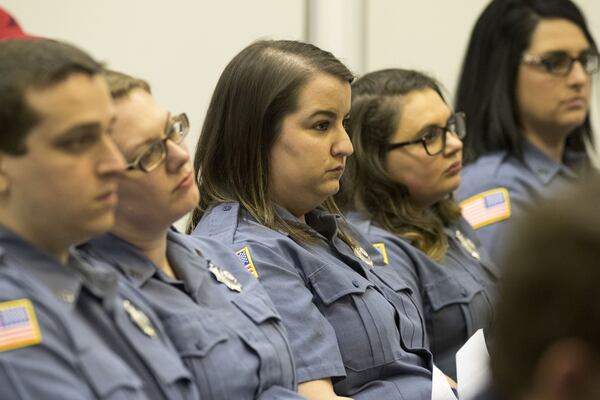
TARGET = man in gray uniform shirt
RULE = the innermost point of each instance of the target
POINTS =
(67, 330)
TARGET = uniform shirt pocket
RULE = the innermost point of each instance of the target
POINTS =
(449, 291)
(255, 308)
(363, 319)
(331, 285)
(110, 378)
(194, 334)
(450, 315)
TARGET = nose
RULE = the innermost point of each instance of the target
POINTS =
(111, 161)
(453, 144)
(342, 145)
(578, 75)
(177, 155)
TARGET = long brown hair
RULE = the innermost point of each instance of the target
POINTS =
(366, 186)
(257, 89)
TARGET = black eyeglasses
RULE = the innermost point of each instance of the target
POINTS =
(176, 129)
(560, 63)
(433, 138)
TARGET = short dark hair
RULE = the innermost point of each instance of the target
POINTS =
(366, 185)
(32, 64)
(487, 84)
(121, 84)
(550, 287)
(257, 89)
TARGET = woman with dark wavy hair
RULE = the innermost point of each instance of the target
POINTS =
(525, 85)
(270, 156)
(398, 193)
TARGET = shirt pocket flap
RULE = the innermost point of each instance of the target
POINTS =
(255, 307)
(332, 283)
(109, 375)
(194, 333)
(447, 291)
(392, 279)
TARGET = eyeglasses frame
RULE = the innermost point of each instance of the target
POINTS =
(457, 116)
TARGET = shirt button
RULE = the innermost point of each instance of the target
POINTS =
(355, 283)
(464, 292)
(226, 208)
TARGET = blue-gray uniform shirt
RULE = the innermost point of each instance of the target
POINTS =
(233, 342)
(356, 324)
(72, 332)
(499, 189)
(457, 295)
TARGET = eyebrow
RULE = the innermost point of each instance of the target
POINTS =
(423, 130)
(327, 113)
(149, 141)
(77, 129)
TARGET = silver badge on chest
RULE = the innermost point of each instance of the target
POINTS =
(139, 318)
(468, 245)
(363, 255)
(225, 277)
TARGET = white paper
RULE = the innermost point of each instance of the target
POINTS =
(440, 388)
(472, 367)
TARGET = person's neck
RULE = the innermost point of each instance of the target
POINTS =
(551, 144)
(153, 244)
(55, 246)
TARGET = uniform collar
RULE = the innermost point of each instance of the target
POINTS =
(65, 282)
(186, 259)
(323, 222)
(361, 223)
(139, 269)
(546, 169)
(220, 221)
(123, 256)
(320, 220)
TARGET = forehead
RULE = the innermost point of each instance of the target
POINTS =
(79, 99)
(419, 109)
(139, 118)
(557, 35)
(324, 92)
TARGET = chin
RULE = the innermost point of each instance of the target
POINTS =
(96, 226)
(574, 119)
(331, 189)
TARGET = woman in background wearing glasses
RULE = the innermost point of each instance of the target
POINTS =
(221, 321)
(398, 192)
(525, 85)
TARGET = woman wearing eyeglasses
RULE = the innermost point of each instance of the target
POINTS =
(221, 321)
(398, 192)
(525, 85)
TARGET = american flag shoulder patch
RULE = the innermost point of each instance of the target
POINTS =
(486, 207)
(380, 247)
(244, 255)
(18, 325)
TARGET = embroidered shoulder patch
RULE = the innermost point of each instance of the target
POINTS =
(486, 207)
(381, 249)
(18, 325)
(244, 255)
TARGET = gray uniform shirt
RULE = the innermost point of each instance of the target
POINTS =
(232, 341)
(526, 182)
(97, 337)
(457, 295)
(346, 320)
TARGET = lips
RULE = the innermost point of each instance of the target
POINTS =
(576, 102)
(108, 198)
(186, 182)
(454, 168)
